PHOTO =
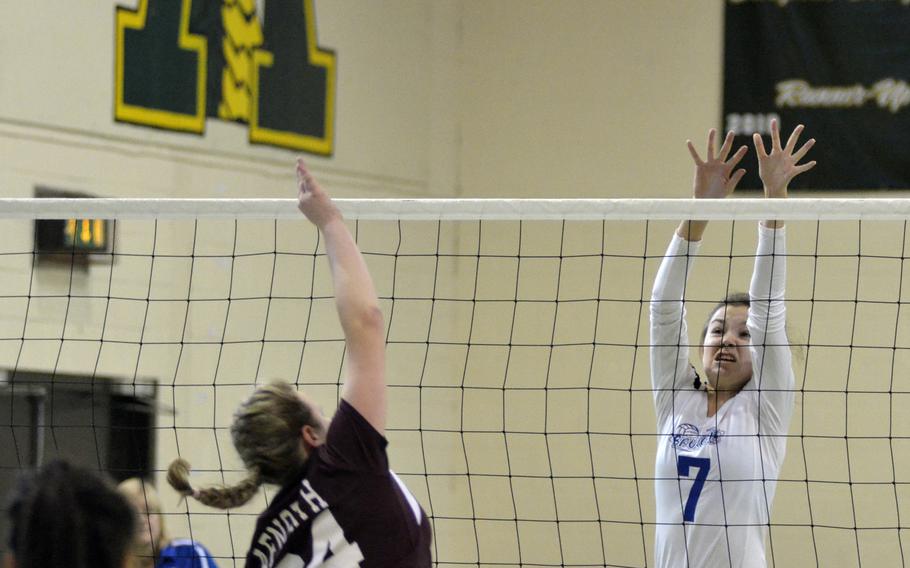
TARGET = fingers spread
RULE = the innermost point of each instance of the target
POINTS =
(694, 153)
(737, 156)
(775, 135)
(725, 149)
(794, 136)
(711, 135)
(759, 145)
(802, 151)
(735, 179)
(805, 167)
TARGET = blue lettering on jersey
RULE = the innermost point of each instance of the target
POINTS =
(688, 438)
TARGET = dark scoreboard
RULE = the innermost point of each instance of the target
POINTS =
(83, 237)
(72, 236)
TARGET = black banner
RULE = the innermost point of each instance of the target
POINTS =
(841, 67)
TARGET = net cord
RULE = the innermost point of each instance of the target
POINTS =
(825, 209)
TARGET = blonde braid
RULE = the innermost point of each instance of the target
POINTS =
(226, 497)
(266, 434)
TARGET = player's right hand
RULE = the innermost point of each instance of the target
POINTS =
(312, 200)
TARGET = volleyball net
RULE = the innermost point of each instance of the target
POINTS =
(521, 408)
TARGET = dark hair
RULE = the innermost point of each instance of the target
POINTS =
(68, 516)
(732, 299)
(266, 434)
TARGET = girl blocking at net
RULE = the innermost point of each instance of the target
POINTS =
(722, 441)
(339, 503)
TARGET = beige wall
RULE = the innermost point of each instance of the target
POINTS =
(585, 98)
(519, 98)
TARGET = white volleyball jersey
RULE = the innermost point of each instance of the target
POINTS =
(716, 476)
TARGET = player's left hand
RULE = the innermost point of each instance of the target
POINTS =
(778, 167)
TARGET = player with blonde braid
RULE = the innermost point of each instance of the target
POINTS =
(339, 503)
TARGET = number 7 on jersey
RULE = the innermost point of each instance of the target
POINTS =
(683, 463)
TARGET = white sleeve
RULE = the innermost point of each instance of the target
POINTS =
(772, 368)
(670, 367)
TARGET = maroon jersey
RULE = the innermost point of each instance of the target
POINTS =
(345, 509)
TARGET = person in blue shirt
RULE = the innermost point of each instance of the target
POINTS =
(153, 548)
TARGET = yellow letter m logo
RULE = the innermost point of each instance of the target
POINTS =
(181, 61)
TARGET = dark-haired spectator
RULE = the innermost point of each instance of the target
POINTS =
(66, 516)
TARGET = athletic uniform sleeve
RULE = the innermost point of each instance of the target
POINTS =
(352, 444)
(771, 358)
(670, 367)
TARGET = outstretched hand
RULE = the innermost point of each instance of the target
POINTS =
(312, 200)
(777, 168)
(714, 176)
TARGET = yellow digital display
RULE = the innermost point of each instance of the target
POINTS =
(85, 234)
(63, 239)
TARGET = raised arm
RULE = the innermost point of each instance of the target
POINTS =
(772, 364)
(773, 370)
(356, 302)
(670, 367)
